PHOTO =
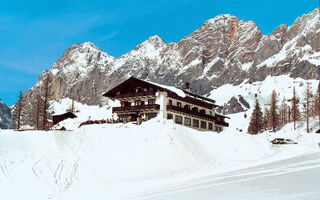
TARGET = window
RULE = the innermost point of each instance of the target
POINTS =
(210, 113)
(195, 109)
(138, 90)
(196, 123)
(178, 119)
(137, 103)
(203, 125)
(203, 111)
(151, 101)
(187, 121)
(187, 107)
(170, 102)
(125, 104)
(150, 89)
(179, 104)
(151, 115)
(218, 129)
(169, 116)
(210, 126)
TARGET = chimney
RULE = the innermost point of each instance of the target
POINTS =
(187, 87)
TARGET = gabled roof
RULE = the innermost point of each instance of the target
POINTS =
(173, 90)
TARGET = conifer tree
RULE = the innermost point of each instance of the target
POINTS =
(256, 121)
(274, 116)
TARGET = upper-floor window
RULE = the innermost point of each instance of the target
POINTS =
(195, 109)
(203, 111)
(179, 104)
(210, 113)
(151, 101)
(137, 103)
(150, 89)
(138, 89)
(170, 102)
(187, 107)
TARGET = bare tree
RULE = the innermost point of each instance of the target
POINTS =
(295, 108)
(317, 102)
(283, 112)
(266, 116)
(274, 116)
(37, 108)
(71, 108)
(306, 104)
(46, 96)
(18, 111)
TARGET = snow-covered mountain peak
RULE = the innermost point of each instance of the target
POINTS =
(221, 19)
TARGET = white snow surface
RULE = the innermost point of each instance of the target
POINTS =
(283, 85)
(116, 161)
(82, 111)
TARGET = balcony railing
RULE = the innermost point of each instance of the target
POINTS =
(136, 108)
(196, 113)
(137, 94)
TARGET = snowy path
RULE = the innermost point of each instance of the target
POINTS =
(295, 178)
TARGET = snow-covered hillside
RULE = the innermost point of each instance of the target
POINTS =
(117, 160)
(283, 85)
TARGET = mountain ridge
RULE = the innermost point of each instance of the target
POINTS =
(224, 50)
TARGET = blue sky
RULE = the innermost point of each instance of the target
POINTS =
(35, 33)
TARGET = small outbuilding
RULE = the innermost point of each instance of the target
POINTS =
(58, 118)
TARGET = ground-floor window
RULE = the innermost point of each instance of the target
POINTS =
(196, 123)
(210, 126)
(169, 116)
(187, 121)
(203, 125)
(151, 115)
(178, 119)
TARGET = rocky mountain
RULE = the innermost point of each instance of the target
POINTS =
(5, 116)
(224, 50)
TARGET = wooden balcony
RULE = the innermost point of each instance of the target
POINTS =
(134, 95)
(155, 107)
(197, 114)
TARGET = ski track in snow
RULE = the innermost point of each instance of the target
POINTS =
(267, 170)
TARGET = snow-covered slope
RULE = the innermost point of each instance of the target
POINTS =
(283, 85)
(115, 160)
(82, 111)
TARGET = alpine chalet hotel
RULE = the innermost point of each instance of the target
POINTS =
(144, 98)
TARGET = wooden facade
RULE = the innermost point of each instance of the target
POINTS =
(58, 118)
(141, 98)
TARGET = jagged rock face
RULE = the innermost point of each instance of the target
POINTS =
(223, 50)
(234, 105)
(5, 116)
